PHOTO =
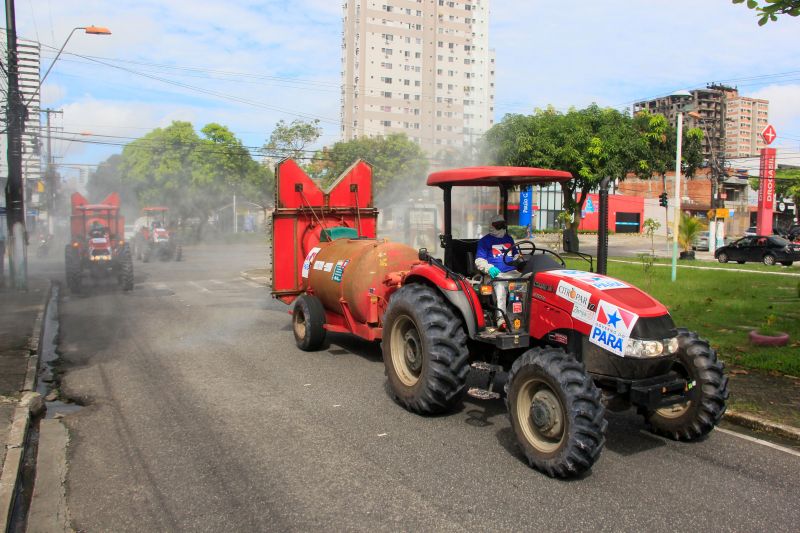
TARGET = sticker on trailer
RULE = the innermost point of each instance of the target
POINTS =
(612, 327)
(318, 265)
(598, 281)
(328, 267)
(516, 307)
(309, 260)
(579, 299)
(339, 270)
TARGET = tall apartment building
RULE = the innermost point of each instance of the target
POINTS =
(420, 67)
(731, 123)
(746, 118)
(28, 54)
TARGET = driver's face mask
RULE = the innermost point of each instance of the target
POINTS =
(498, 229)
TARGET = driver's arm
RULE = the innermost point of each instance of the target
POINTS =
(481, 257)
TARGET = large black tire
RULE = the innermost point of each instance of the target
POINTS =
(424, 351)
(308, 323)
(723, 257)
(72, 268)
(787, 263)
(126, 269)
(556, 412)
(697, 362)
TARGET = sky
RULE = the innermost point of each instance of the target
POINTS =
(248, 64)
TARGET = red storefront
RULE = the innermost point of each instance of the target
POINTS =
(625, 213)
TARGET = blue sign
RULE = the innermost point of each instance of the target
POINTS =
(525, 207)
(589, 206)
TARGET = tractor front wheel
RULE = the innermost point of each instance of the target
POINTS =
(308, 323)
(556, 412)
(424, 351)
(126, 269)
(708, 390)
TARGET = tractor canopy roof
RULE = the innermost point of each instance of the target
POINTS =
(494, 176)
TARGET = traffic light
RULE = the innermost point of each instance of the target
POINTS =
(662, 199)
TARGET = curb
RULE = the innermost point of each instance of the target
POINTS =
(752, 421)
(17, 437)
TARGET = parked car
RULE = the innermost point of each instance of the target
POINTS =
(750, 232)
(701, 242)
(768, 249)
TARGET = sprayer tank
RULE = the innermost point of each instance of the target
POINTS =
(353, 271)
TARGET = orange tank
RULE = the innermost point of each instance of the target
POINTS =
(354, 270)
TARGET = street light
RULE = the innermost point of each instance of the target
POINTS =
(90, 30)
(681, 97)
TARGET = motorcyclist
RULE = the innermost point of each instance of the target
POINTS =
(491, 250)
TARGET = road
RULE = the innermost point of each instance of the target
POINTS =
(202, 415)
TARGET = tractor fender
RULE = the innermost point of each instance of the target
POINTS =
(459, 294)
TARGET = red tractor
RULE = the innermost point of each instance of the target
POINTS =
(97, 245)
(152, 238)
(578, 342)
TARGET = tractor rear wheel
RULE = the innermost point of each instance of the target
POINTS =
(125, 269)
(308, 323)
(424, 351)
(708, 390)
(556, 412)
(72, 266)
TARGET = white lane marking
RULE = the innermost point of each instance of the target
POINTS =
(198, 286)
(712, 268)
(759, 441)
(161, 287)
(216, 282)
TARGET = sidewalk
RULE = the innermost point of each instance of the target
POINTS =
(20, 312)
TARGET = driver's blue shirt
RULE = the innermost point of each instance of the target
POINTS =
(492, 249)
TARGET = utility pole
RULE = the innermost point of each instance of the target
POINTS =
(15, 193)
(50, 174)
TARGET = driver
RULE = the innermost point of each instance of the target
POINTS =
(492, 249)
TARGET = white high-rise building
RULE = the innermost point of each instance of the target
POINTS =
(420, 67)
(28, 55)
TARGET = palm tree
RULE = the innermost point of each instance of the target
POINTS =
(688, 231)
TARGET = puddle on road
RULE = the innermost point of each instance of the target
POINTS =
(48, 358)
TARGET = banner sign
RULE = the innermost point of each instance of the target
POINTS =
(525, 206)
(766, 191)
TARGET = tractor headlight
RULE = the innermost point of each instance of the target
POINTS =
(642, 348)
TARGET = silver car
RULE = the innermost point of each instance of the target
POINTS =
(701, 242)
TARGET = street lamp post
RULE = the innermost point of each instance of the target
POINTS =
(15, 196)
(681, 96)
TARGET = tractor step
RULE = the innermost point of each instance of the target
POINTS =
(483, 366)
(483, 394)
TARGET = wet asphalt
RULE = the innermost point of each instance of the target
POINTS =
(202, 415)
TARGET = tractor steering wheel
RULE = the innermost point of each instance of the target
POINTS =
(525, 249)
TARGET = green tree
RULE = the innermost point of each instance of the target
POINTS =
(291, 140)
(772, 8)
(590, 143)
(396, 161)
(106, 179)
(191, 175)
